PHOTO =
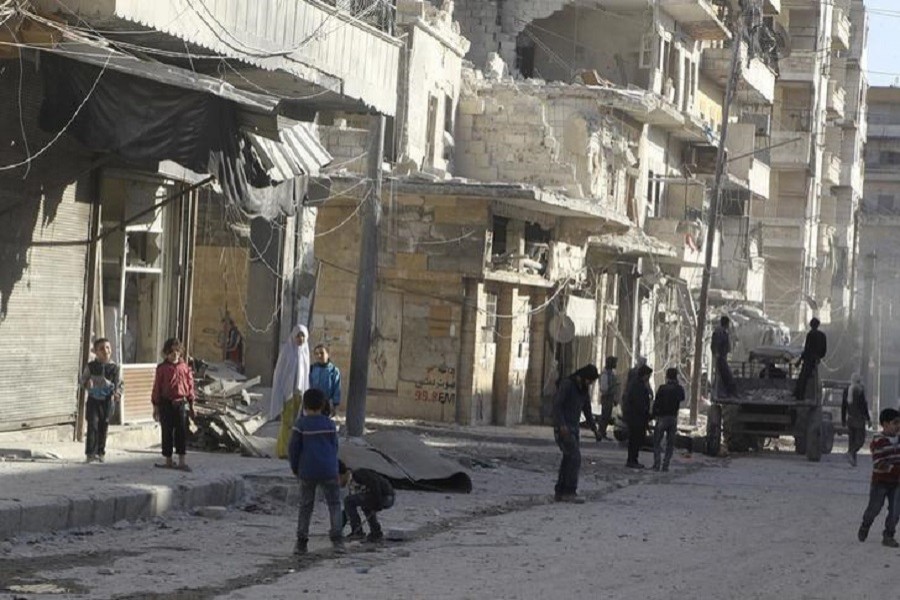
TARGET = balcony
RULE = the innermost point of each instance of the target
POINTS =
(831, 168)
(835, 104)
(700, 18)
(292, 47)
(744, 161)
(685, 236)
(790, 150)
(756, 84)
(799, 67)
(840, 29)
(781, 234)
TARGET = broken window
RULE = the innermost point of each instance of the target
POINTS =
(525, 53)
(646, 59)
(498, 235)
(654, 194)
(537, 248)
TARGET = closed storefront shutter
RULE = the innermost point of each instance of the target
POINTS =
(43, 305)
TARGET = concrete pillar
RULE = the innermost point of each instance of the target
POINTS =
(468, 338)
(263, 289)
(504, 355)
(534, 381)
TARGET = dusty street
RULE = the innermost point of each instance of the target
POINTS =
(750, 527)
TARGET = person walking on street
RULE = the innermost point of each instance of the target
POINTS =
(290, 380)
(609, 393)
(313, 450)
(721, 348)
(814, 349)
(885, 477)
(668, 400)
(855, 416)
(572, 399)
(636, 411)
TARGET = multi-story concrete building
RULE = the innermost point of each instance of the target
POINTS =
(879, 222)
(817, 137)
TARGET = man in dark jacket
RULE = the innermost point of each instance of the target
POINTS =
(369, 491)
(636, 411)
(721, 348)
(814, 349)
(572, 399)
(668, 400)
(855, 416)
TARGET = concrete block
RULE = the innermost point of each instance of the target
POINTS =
(103, 510)
(134, 505)
(471, 106)
(81, 513)
(51, 516)
(10, 520)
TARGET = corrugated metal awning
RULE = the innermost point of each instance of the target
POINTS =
(298, 152)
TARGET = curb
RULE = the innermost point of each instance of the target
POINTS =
(137, 502)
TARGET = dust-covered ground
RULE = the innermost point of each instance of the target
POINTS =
(758, 526)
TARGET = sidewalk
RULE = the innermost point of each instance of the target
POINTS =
(510, 468)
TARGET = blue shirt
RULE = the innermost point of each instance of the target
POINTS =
(314, 448)
(327, 378)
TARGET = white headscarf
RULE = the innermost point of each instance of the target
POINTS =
(291, 371)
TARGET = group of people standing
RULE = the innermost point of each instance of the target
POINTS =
(639, 407)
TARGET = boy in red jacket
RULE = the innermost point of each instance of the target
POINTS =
(885, 477)
(173, 400)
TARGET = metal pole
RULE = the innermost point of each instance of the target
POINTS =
(867, 315)
(365, 285)
(713, 218)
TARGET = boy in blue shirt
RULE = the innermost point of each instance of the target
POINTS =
(313, 453)
(102, 380)
(324, 375)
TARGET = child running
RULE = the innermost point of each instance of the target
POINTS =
(885, 476)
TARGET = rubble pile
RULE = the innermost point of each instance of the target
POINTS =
(226, 414)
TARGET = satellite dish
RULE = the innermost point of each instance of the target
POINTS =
(782, 39)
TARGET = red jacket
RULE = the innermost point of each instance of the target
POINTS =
(885, 459)
(173, 381)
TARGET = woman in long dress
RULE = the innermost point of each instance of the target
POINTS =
(290, 380)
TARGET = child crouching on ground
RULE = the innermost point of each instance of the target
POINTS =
(885, 477)
(173, 401)
(313, 452)
(371, 492)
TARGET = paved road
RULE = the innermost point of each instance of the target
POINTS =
(765, 526)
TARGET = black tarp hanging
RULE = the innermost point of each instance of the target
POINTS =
(142, 120)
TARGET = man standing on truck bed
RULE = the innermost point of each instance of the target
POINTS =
(814, 350)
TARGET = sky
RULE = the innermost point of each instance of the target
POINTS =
(884, 42)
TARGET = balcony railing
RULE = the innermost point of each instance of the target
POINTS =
(782, 233)
(836, 100)
(800, 66)
(831, 168)
(702, 19)
(790, 150)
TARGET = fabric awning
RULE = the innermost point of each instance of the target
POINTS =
(583, 314)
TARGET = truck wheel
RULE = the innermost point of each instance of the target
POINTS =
(714, 430)
(814, 435)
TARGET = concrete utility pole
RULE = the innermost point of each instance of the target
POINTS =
(867, 314)
(737, 38)
(365, 285)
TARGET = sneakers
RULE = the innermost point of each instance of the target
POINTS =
(101, 458)
(356, 535)
(655, 467)
(92, 458)
(337, 546)
(634, 465)
(665, 469)
(300, 548)
(863, 533)
(889, 541)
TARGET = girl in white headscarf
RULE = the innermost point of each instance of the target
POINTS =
(290, 380)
